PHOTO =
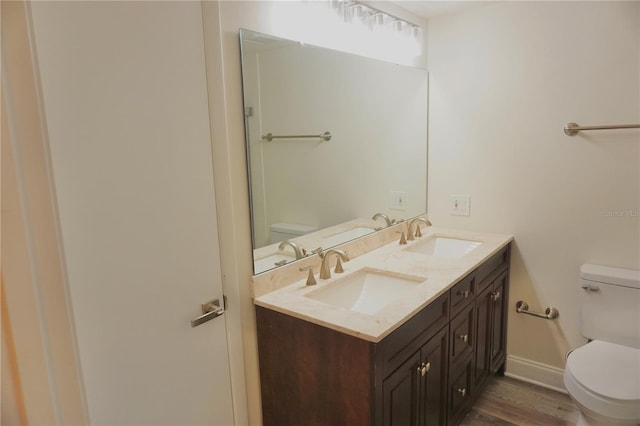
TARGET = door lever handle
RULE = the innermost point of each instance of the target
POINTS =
(210, 310)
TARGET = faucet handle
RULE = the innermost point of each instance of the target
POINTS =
(339, 269)
(311, 279)
(306, 253)
(403, 239)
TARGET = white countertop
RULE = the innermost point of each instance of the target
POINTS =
(436, 274)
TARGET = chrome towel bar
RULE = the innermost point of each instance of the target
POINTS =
(522, 307)
(269, 136)
(571, 129)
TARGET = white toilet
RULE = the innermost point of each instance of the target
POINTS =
(603, 376)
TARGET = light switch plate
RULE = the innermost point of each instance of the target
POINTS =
(460, 205)
(398, 200)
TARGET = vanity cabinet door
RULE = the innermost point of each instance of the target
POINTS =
(400, 394)
(434, 382)
(491, 328)
(483, 315)
(499, 309)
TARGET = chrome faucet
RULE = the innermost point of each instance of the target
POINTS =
(294, 246)
(388, 221)
(325, 267)
(410, 235)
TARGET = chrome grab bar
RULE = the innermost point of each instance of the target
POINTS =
(571, 129)
(326, 136)
(522, 307)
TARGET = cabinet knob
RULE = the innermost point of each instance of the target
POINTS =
(462, 391)
(495, 295)
(464, 337)
(424, 368)
(464, 294)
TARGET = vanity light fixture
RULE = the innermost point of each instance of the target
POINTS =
(348, 26)
(381, 26)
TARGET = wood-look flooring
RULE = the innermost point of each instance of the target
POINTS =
(508, 402)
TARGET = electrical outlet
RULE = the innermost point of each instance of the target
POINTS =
(398, 200)
(460, 205)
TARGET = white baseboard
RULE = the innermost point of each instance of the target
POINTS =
(536, 373)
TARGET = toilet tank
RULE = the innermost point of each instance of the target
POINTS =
(610, 304)
(285, 231)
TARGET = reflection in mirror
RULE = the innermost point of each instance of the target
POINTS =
(321, 192)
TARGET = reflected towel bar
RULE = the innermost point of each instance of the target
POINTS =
(269, 137)
(572, 128)
(522, 307)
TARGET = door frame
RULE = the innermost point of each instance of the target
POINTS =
(45, 385)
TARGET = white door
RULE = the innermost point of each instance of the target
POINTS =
(125, 100)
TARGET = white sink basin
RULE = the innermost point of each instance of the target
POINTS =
(268, 262)
(344, 236)
(366, 291)
(445, 247)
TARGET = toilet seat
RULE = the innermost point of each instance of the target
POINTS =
(605, 378)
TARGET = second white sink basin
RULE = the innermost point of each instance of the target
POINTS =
(366, 291)
(452, 248)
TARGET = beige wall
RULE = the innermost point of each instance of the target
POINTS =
(504, 80)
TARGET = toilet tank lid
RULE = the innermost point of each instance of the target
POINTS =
(610, 275)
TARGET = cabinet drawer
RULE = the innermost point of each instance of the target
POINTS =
(463, 293)
(497, 262)
(460, 391)
(399, 345)
(462, 335)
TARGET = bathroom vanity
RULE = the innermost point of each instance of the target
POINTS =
(421, 359)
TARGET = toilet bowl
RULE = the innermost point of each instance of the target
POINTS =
(604, 380)
(603, 376)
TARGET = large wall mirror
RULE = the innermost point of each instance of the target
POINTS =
(314, 192)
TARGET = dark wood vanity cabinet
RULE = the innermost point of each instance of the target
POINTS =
(426, 372)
